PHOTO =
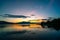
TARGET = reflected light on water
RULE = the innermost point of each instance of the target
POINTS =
(25, 27)
(18, 27)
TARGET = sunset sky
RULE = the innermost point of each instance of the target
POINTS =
(18, 10)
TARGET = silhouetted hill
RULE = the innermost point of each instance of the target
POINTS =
(23, 22)
(4, 22)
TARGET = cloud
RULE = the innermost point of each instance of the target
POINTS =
(14, 16)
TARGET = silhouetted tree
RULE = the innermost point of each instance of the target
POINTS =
(43, 24)
(54, 24)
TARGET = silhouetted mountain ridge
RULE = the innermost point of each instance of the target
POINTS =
(4, 22)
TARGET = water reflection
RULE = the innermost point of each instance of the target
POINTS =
(27, 32)
(18, 27)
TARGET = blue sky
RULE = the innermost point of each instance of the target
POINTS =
(39, 8)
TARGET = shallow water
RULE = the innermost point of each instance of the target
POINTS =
(27, 32)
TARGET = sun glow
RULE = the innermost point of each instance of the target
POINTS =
(14, 20)
(31, 19)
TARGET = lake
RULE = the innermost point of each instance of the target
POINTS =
(27, 32)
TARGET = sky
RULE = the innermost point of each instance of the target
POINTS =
(28, 9)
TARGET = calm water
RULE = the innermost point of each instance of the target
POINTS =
(28, 32)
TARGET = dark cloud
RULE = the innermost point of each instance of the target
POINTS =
(32, 15)
(14, 16)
